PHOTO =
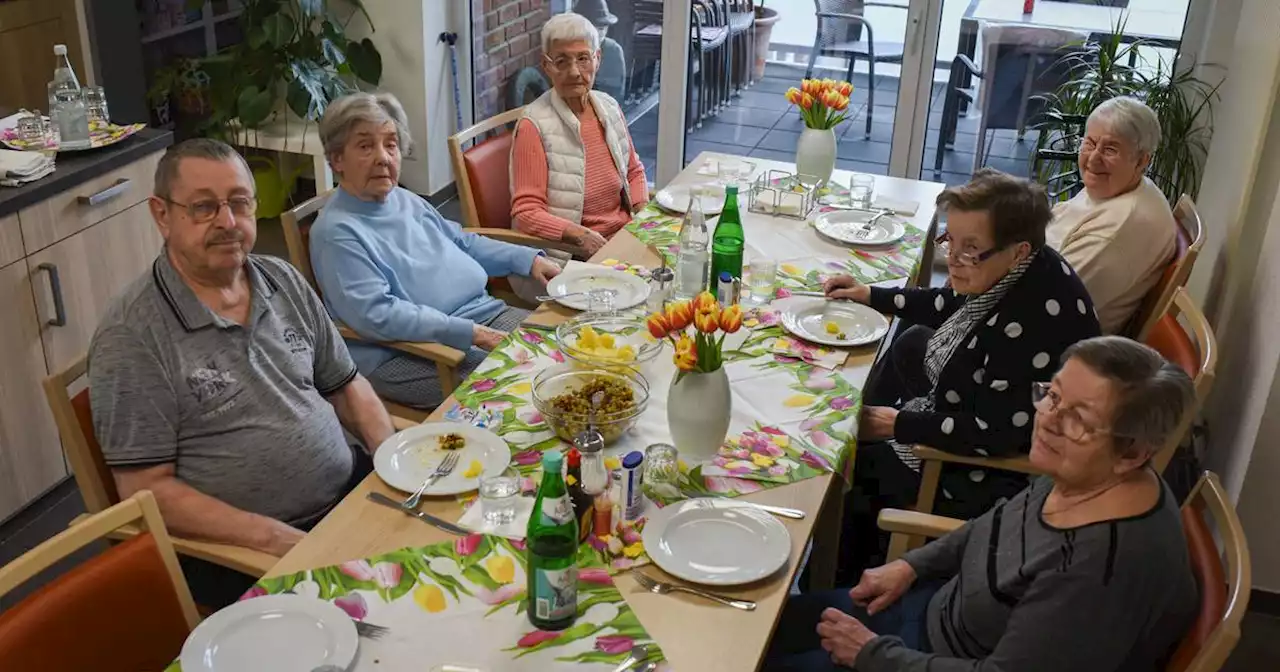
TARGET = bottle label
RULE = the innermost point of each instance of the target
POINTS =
(557, 511)
(555, 594)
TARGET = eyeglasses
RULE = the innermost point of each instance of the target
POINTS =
(1070, 423)
(562, 64)
(206, 210)
(1087, 145)
(965, 258)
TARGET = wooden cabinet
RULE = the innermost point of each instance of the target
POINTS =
(28, 31)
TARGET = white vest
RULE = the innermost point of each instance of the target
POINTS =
(566, 157)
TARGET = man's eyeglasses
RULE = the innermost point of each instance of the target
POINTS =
(1071, 424)
(562, 63)
(965, 258)
(206, 210)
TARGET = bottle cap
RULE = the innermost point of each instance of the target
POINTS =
(726, 276)
(574, 458)
(633, 459)
(552, 459)
(59, 50)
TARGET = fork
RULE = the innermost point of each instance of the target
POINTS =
(446, 466)
(553, 297)
(662, 588)
(371, 631)
(866, 228)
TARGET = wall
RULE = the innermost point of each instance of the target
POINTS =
(505, 38)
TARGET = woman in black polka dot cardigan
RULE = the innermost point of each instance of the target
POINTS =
(960, 379)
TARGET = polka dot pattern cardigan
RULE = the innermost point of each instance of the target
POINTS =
(982, 403)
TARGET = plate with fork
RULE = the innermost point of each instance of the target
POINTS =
(861, 227)
(716, 543)
(462, 452)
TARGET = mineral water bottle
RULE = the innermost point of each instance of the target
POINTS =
(728, 241)
(691, 266)
(552, 538)
(66, 102)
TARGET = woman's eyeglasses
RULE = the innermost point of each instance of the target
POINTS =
(206, 210)
(965, 258)
(562, 63)
(1070, 423)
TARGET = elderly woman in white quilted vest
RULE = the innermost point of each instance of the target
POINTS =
(575, 176)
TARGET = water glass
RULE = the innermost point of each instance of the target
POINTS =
(31, 129)
(498, 496)
(762, 281)
(95, 103)
(861, 191)
(661, 464)
(601, 301)
(730, 172)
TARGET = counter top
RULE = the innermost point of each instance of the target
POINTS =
(75, 168)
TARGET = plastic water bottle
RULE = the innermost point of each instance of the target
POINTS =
(67, 110)
(692, 262)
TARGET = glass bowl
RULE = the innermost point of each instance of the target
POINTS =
(624, 331)
(567, 419)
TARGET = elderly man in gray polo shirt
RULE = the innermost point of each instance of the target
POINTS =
(217, 379)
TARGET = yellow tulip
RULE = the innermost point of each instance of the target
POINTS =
(612, 463)
(731, 318)
(682, 466)
(781, 441)
(798, 400)
(430, 598)
(793, 95)
(501, 569)
(762, 460)
(519, 389)
(789, 269)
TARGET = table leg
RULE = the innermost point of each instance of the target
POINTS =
(967, 45)
(825, 556)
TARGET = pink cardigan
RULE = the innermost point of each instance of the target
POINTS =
(602, 209)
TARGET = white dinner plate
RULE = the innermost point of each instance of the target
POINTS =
(272, 633)
(716, 542)
(860, 324)
(844, 225)
(675, 198)
(406, 458)
(629, 290)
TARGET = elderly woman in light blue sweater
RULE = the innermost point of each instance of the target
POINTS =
(392, 269)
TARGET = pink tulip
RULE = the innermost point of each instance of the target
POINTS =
(530, 336)
(595, 575)
(256, 591)
(814, 460)
(484, 385)
(721, 484)
(518, 544)
(387, 574)
(614, 643)
(772, 450)
(354, 605)
(493, 597)
(525, 458)
(719, 460)
(467, 545)
(523, 360)
(769, 318)
(357, 569)
(622, 564)
(630, 536)
(535, 638)
(500, 405)
(598, 544)
(820, 381)
(557, 356)
(810, 423)
(773, 430)
(841, 403)
(783, 359)
(531, 417)
(778, 470)
(822, 440)
(783, 293)
(527, 485)
(741, 453)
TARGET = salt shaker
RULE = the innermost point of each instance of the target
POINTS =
(661, 284)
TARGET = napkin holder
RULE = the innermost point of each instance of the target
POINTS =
(778, 193)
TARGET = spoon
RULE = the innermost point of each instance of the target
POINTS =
(638, 653)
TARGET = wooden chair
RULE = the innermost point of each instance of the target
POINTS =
(1224, 591)
(126, 609)
(297, 227)
(1192, 347)
(1190, 241)
(98, 487)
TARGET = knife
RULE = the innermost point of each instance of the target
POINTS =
(379, 498)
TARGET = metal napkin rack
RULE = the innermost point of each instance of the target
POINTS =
(779, 193)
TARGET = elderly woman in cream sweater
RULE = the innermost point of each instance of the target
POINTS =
(1118, 233)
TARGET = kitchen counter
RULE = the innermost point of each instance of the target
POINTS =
(75, 168)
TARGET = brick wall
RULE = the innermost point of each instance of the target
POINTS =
(505, 37)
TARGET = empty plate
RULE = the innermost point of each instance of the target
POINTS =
(846, 225)
(571, 286)
(406, 458)
(715, 544)
(272, 633)
(675, 198)
(838, 323)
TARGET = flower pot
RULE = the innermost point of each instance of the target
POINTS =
(816, 153)
(763, 27)
(698, 406)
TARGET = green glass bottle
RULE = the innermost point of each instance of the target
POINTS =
(552, 540)
(728, 240)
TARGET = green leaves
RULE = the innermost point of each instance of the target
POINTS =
(277, 30)
(253, 106)
(305, 93)
(365, 61)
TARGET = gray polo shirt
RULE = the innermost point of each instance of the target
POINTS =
(240, 410)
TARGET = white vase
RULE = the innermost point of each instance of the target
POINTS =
(698, 406)
(816, 152)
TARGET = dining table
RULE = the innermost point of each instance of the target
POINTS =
(693, 634)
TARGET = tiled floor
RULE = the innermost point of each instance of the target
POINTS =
(760, 123)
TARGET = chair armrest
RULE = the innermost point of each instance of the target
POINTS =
(524, 239)
(247, 561)
(1019, 464)
(436, 352)
(400, 424)
(916, 523)
(968, 64)
(893, 5)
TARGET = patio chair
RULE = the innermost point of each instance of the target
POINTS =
(1190, 238)
(1224, 586)
(1019, 62)
(742, 19)
(840, 27)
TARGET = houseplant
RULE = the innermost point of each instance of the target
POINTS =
(823, 104)
(763, 28)
(1108, 68)
(698, 403)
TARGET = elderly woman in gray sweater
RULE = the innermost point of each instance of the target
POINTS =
(1086, 569)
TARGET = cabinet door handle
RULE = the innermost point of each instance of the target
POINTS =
(121, 186)
(55, 286)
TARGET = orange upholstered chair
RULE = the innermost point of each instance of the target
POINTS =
(1190, 239)
(125, 610)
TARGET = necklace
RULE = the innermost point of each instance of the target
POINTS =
(1091, 496)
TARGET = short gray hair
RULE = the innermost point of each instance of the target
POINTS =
(1131, 119)
(1153, 393)
(570, 27)
(345, 113)
(195, 148)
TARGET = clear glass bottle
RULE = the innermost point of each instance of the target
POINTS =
(692, 261)
(66, 102)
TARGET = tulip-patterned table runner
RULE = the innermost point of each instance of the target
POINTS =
(462, 603)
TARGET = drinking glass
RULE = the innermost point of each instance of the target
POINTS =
(601, 301)
(762, 281)
(95, 103)
(730, 172)
(498, 496)
(861, 191)
(31, 129)
(661, 464)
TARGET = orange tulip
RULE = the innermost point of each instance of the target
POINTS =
(807, 101)
(806, 86)
(679, 315)
(793, 96)
(846, 89)
(842, 103)
(829, 84)
(829, 98)
(706, 313)
(702, 300)
(731, 318)
(658, 326)
(686, 357)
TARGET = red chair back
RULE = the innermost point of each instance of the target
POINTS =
(1174, 344)
(487, 165)
(1206, 564)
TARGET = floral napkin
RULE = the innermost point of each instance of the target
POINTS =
(809, 353)
(765, 454)
(634, 269)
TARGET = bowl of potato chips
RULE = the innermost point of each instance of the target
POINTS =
(607, 340)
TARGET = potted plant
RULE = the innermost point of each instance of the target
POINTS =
(1108, 68)
(763, 27)
(698, 404)
(823, 104)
